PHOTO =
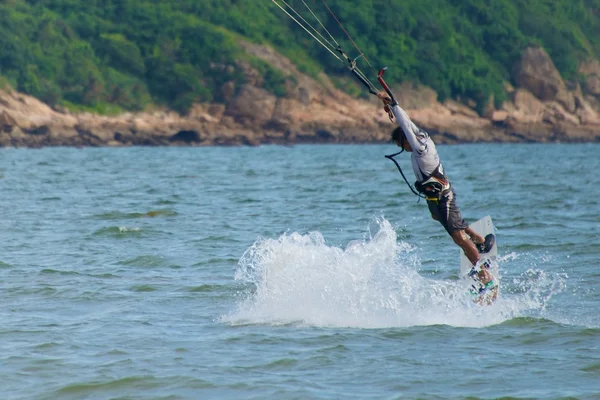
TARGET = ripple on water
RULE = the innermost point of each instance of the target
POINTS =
(144, 288)
(119, 231)
(147, 261)
(51, 271)
(45, 290)
(98, 387)
(206, 288)
(134, 215)
(131, 385)
(529, 322)
(593, 368)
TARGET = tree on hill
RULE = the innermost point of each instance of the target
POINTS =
(118, 55)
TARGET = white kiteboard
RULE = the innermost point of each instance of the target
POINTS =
(483, 227)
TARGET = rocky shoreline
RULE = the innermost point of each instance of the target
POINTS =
(542, 108)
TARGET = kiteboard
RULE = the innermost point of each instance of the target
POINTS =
(481, 294)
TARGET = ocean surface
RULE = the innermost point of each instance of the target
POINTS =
(301, 272)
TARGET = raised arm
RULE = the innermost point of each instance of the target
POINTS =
(408, 127)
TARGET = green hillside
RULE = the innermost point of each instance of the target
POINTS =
(114, 55)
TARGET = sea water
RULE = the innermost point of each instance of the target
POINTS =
(300, 272)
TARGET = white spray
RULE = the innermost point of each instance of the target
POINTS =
(372, 283)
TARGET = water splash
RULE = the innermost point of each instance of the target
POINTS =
(534, 287)
(371, 283)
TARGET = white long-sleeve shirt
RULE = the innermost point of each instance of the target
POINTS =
(424, 157)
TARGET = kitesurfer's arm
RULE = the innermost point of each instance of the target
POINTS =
(408, 127)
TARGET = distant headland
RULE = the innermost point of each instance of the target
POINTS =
(542, 108)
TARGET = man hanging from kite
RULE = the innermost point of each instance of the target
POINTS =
(433, 183)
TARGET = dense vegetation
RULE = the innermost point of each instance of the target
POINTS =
(112, 55)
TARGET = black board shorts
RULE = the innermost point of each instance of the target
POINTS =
(447, 212)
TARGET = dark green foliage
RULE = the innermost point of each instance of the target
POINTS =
(132, 53)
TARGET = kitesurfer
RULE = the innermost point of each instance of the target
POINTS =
(433, 183)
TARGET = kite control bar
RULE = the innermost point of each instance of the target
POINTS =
(385, 86)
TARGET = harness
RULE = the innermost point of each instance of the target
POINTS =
(434, 185)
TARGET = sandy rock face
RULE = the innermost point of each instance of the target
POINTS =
(536, 73)
(252, 106)
(591, 70)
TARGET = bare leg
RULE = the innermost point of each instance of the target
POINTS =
(475, 237)
(461, 239)
(466, 244)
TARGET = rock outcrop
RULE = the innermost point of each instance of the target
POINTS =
(541, 108)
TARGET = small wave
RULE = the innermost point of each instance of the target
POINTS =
(143, 288)
(105, 275)
(37, 290)
(126, 387)
(48, 345)
(245, 200)
(212, 239)
(118, 231)
(127, 382)
(592, 368)
(283, 363)
(149, 214)
(590, 332)
(525, 322)
(50, 271)
(167, 202)
(116, 352)
(206, 288)
(145, 261)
